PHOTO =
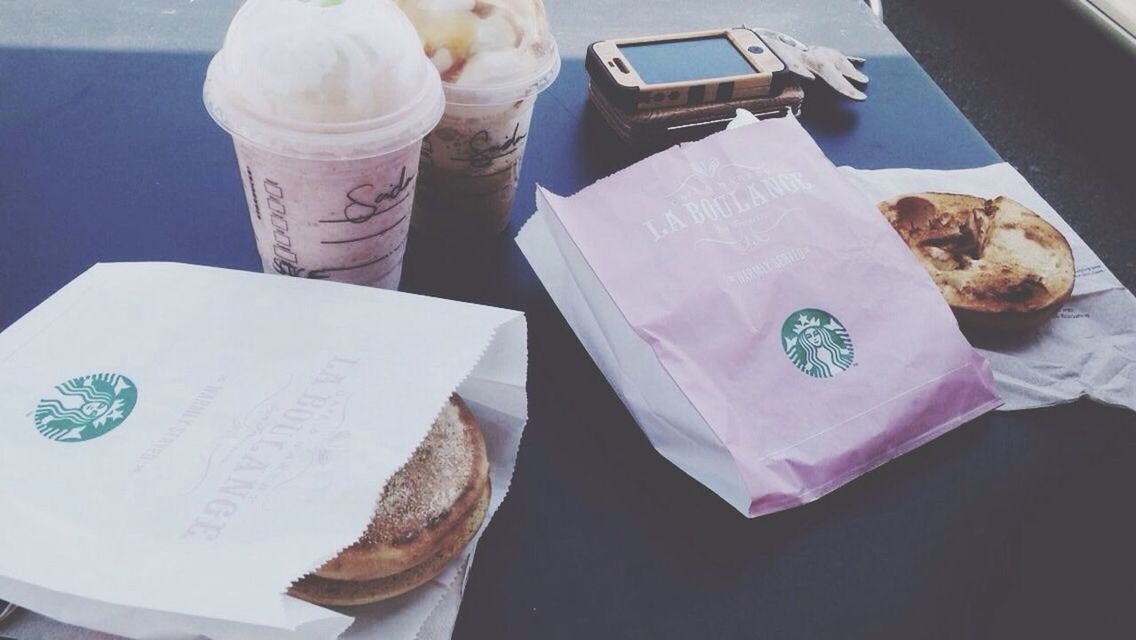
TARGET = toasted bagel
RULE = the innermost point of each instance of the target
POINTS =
(325, 591)
(998, 264)
(422, 503)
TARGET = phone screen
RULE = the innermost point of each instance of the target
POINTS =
(682, 60)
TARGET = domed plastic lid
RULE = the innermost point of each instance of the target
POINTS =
(323, 78)
(487, 51)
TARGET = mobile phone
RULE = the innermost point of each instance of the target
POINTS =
(673, 70)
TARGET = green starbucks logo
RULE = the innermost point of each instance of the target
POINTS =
(817, 343)
(86, 407)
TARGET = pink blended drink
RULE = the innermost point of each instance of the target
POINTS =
(327, 104)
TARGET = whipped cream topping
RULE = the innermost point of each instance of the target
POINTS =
(483, 42)
(323, 61)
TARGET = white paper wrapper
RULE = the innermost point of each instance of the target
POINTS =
(1088, 349)
(269, 413)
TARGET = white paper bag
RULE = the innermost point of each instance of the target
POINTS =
(181, 443)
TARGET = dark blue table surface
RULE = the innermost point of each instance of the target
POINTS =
(1013, 525)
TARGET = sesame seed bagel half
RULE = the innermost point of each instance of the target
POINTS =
(344, 593)
(424, 504)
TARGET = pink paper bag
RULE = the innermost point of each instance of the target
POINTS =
(767, 328)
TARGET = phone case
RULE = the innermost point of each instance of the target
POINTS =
(666, 95)
(661, 128)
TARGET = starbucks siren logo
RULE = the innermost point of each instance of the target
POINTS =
(817, 343)
(86, 407)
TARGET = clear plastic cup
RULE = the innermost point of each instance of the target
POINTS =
(495, 57)
(327, 104)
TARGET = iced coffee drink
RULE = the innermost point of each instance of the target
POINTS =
(494, 57)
